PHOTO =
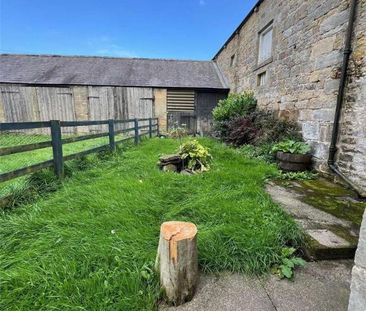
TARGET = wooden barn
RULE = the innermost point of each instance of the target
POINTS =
(45, 87)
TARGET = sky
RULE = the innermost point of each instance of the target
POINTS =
(179, 29)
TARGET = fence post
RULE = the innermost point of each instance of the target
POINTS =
(150, 127)
(58, 161)
(112, 142)
(157, 127)
(136, 131)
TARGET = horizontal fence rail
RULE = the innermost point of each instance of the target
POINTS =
(24, 148)
(57, 141)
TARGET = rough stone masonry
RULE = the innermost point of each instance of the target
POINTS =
(357, 301)
(302, 75)
(300, 80)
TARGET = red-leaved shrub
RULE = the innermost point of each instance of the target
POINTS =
(242, 131)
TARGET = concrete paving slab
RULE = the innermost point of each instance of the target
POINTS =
(319, 286)
(227, 293)
(327, 238)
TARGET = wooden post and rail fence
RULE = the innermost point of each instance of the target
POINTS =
(57, 141)
(177, 258)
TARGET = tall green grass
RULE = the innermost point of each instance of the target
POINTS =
(91, 244)
(19, 160)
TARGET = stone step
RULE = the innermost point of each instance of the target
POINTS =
(323, 244)
(331, 221)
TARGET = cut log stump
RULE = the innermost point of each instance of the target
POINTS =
(177, 261)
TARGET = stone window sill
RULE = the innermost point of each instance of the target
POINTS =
(264, 63)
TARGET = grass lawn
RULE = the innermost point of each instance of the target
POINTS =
(90, 245)
(19, 160)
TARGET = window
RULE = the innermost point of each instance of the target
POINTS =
(262, 79)
(232, 60)
(265, 44)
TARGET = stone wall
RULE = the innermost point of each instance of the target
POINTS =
(160, 108)
(357, 301)
(352, 155)
(304, 71)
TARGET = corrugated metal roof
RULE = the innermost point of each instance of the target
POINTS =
(85, 70)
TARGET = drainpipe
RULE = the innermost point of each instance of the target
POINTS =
(335, 132)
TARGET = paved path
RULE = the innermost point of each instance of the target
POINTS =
(331, 237)
(320, 286)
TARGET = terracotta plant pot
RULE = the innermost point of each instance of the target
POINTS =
(292, 162)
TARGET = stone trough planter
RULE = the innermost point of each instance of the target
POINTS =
(292, 162)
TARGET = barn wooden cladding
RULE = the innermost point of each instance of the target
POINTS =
(36, 87)
(31, 103)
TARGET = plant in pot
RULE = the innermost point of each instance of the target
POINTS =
(293, 156)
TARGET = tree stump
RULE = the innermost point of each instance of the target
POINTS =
(177, 261)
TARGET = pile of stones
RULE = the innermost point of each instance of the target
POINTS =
(173, 163)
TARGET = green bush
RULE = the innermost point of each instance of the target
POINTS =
(196, 156)
(235, 105)
(272, 129)
(291, 146)
(261, 152)
(258, 128)
(237, 121)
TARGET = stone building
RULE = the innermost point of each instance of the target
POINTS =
(41, 87)
(290, 53)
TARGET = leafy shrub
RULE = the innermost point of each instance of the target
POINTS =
(241, 131)
(292, 146)
(235, 105)
(196, 156)
(273, 129)
(261, 152)
(221, 129)
(288, 262)
(238, 122)
(257, 128)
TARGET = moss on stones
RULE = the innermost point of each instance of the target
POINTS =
(330, 197)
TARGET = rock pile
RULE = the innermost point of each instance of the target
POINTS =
(173, 163)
